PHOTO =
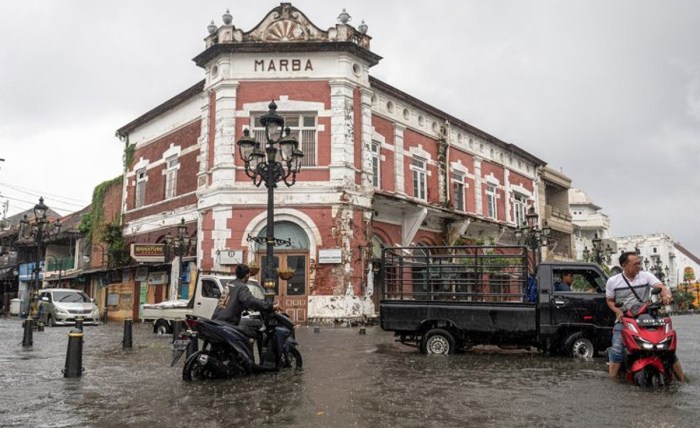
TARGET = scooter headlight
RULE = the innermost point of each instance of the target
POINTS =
(632, 327)
(664, 344)
(644, 344)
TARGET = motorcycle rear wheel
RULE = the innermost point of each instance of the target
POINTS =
(194, 370)
(294, 358)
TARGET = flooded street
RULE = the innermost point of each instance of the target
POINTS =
(348, 380)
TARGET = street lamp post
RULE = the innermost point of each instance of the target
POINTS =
(598, 254)
(181, 245)
(279, 161)
(534, 237)
(38, 232)
(658, 269)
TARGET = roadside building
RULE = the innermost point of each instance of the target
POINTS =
(590, 223)
(553, 192)
(380, 167)
(662, 255)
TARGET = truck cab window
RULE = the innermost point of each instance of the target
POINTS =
(209, 289)
(578, 281)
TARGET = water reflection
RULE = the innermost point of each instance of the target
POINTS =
(348, 380)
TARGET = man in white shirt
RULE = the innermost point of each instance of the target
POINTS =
(630, 287)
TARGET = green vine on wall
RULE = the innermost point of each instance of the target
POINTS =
(129, 150)
(95, 217)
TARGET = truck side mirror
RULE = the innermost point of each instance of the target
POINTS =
(45, 299)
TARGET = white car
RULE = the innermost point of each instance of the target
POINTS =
(61, 306)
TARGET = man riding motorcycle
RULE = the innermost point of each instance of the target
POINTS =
(238, 298)
(631, 287)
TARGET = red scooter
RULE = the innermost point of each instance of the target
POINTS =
(650, 343)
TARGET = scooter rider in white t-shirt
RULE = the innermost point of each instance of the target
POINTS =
(630, 287)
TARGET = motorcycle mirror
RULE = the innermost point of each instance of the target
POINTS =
(656, 290)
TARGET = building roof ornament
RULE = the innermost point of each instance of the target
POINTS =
(227, 17)
(285, 24)
(344, 17)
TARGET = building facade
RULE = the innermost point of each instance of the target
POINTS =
(380, 168)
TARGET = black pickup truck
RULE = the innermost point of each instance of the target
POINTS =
(444, 299)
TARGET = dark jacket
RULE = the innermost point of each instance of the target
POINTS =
(233, 303)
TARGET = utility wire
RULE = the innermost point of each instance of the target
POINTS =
(53, 207)
(63, 199)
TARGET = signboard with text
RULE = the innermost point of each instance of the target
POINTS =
(148, 252)
(330, 256)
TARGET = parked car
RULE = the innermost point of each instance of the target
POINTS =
(61, 306)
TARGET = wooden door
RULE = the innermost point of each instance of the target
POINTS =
(291, 295)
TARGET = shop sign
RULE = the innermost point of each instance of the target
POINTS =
(148, 252)
(330, 256)
(230, 257)
(157, 278)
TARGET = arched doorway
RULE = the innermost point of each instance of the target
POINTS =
(292, 295)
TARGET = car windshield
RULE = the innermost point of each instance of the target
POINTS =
(70, 297)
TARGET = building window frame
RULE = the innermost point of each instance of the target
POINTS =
(459, 201)
(172, 164)
(420, 177)
(491, 201)
(140, 191)
(303, 126)
(519, 208)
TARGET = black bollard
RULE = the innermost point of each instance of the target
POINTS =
(39, 326)
(127, 342)
(79, 323)
(193, 346)
(177, 329)
(28, 340)
(317, 329)
(74, 354)
(363, 330)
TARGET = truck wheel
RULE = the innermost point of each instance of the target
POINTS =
(161, 327)
(438, 341)
(578, 346)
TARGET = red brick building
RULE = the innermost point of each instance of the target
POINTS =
(381, 168)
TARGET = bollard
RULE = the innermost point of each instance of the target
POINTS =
(40, 326)
(317, 329)
(79, 323)
(74, 354)
(177, 329)
(127, 342)
(28, 340)
(193, 346)
(363, 330)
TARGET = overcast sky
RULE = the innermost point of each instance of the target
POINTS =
(606, 91)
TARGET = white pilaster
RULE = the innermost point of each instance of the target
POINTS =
(223, 172)
(399, 159)
(342, 131)
(478, 191)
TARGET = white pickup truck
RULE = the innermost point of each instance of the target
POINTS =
(202, 304)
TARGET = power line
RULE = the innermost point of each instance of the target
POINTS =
(53, 207)
(33, 192)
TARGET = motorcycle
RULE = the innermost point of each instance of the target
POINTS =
(230, 351)
(650, 344)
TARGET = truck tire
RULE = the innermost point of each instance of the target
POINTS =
(578, 346)
(161, 327)
(438, 341)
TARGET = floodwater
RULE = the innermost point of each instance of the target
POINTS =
(348, 380)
